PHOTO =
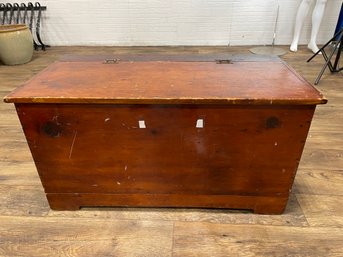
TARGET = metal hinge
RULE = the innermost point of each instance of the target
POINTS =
(224, 62)
(111, 61)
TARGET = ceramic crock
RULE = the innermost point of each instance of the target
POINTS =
(16, 44)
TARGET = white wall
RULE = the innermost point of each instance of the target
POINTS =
(177, 22)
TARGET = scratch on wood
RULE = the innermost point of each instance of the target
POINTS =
(72, 144)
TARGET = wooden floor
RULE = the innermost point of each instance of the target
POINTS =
(311, 226)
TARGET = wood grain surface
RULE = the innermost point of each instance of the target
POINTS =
(311, 225)
(170, 155)
(201, 239)
(241, 158)
(162, 82)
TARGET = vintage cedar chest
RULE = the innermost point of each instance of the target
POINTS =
(167, 133)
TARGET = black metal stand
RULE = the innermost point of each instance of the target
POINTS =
(333, 67)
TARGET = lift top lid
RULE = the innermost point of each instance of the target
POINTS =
(270, 82)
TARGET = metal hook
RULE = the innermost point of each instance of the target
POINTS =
(10, 8)
(31, 7)
(4, 13)
(38, 25)
(17, 8)
(25, 12)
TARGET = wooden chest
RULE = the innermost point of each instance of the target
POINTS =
(210, 134)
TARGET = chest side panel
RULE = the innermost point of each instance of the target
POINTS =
(175, 149)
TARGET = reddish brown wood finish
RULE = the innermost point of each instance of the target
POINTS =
(168, 83)
(81, 121)
(241, 151)
(259, 204)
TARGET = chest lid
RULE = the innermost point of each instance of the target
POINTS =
(167, 82)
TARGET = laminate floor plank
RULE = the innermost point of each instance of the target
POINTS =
(22, 201)
(19, 173)
(322, 182)
(326, 159)
(322, 210)
(206, 239)
(323, 140)
(32, 236)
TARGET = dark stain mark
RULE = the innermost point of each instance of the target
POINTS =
(273, 122)
(154, 132)
(51, 129)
